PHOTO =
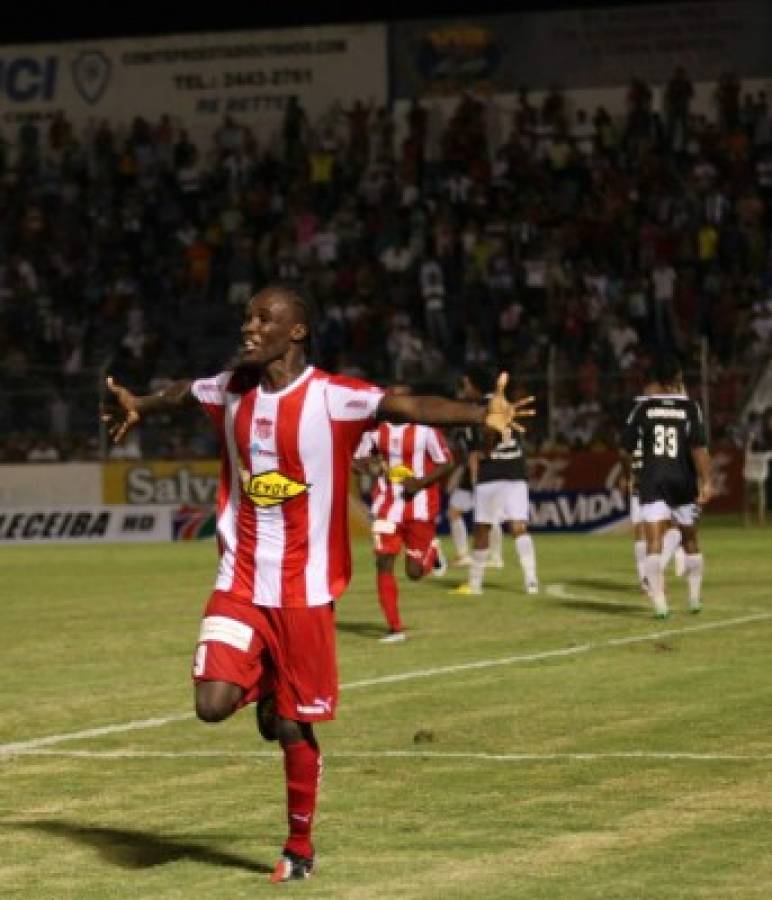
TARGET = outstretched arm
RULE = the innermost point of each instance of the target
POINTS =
(124, 409)
(500, 414)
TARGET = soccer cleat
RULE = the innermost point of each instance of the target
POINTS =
(662, 615)
(532, 587)
(292, 867)
(465, 560)
(495, 562)
(679, 562)
(465, 590)
(265, 711)
(440, 564)
(695, 608)
(393, 637)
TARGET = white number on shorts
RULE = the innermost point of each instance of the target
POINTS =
(666, 440)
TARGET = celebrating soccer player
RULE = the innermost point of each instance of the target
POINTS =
(289, 431)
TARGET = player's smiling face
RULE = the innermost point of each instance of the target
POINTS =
(270, 328)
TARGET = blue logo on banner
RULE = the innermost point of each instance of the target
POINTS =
(91, 75)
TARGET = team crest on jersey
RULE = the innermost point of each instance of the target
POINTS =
(263, 428)
(271, 488)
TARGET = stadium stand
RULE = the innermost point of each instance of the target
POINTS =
(580, 243)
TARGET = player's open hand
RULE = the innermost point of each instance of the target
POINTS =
(502, 415)
(120, 412)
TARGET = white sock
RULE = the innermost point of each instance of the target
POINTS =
(695, 566)
(477, 569)
(524, 546)
(640, 558)
(670, 541)
(494, 542)
(654, 574)
(459, 536)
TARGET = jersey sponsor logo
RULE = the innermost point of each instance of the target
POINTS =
(271, 488)
(356, 404)
(256, 449)
(399, 473)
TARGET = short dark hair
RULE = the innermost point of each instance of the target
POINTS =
(668, 369)
(303, 302)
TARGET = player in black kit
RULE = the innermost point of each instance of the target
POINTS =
(461, 483)
(674, 479)
(500, 498)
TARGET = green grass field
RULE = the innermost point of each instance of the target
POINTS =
(559, 746)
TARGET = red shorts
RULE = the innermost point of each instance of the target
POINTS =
(290, 652)
(417, 537)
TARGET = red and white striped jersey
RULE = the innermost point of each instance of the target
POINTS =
(408, 451)
(282, 504)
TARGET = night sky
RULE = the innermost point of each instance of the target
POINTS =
(104, 20)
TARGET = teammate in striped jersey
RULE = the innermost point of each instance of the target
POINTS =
(410, 461)
(288, 432)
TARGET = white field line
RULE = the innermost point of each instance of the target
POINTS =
(407, 754)
(140, 724)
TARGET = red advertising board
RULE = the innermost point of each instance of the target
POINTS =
(588, 470)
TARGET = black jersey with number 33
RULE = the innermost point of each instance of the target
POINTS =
(668, 427)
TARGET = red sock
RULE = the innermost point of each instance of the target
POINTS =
(303, 769)
(388, 597)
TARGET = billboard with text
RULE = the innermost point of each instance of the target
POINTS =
(581, 48)
(198, 79)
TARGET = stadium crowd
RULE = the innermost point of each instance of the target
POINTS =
(579, 241)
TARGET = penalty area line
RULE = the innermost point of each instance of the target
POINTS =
(20, 747)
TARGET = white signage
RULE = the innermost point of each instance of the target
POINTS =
(85, 524)
(50, 484)
(196, 79)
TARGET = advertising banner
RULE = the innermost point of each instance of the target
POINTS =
(581, 48)
(590, 472)
(85, 524)
(576, 491)
(50, 484)
(197, 79)
(192, 482)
